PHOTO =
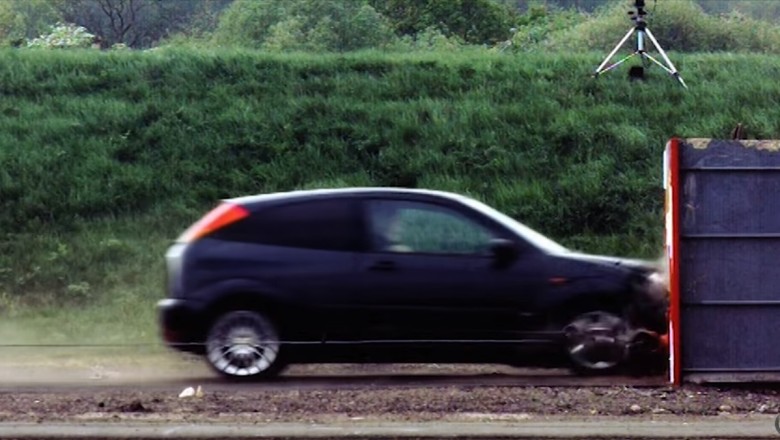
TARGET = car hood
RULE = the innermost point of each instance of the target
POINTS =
(628, 263)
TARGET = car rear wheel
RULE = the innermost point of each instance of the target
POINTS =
(243, 344)
(597, 342)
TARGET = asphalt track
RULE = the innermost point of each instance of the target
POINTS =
(324, 382)
(164, 371)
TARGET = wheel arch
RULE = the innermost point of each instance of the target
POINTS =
(250, 295)
(616, 302)
(260, 301)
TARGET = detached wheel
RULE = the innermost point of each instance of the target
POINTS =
(597, 342)
(243, 344)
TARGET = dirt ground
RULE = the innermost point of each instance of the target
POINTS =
(148, 387)
(407, 404)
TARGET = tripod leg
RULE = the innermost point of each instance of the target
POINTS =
(621, 61)
(647, 56)
(672, 69)
(600, 70)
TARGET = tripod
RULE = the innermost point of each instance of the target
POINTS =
(641, 31)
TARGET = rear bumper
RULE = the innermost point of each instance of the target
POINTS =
(182, 324)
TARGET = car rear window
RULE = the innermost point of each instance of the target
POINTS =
(330, 224)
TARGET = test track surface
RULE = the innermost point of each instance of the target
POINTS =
(47, 378)
(138, 397)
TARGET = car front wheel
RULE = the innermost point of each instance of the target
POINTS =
(243, 344)
(597, 342)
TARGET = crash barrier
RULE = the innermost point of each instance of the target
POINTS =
(722, 224)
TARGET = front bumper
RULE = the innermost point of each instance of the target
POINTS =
(182, 324)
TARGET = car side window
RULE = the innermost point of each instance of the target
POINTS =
(330, 224)
(402, 226)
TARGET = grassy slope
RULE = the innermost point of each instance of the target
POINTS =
(105, 157)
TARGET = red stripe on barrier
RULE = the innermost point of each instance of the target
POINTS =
(673, 255)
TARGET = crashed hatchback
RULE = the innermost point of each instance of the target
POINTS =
(397, 275)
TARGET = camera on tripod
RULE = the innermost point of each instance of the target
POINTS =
(642, 32)
(640, 12)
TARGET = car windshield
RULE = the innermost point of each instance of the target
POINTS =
(523, 231)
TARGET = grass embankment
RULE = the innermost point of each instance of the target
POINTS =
(106, 157)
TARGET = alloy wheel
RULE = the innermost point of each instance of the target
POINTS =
(597, 341)
(243, 344)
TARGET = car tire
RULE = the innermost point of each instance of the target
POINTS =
(243, 344)
(597, 342)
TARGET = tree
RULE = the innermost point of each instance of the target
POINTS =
(24, 19)
(205, 17)
(336, 25)
(248, 22)
(8, 27)
(135, 23)
(763, 10)
(474, 21)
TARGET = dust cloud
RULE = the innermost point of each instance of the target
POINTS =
(34, 354)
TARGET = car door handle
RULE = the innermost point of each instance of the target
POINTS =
(383, 266)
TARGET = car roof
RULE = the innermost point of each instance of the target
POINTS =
(529, 234)
(351, 191)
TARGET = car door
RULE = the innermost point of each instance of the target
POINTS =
(420, 278)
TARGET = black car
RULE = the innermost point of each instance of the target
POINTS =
(396, 275)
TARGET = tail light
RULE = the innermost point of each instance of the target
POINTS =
(221, 216)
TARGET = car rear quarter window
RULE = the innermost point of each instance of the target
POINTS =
(330, 224)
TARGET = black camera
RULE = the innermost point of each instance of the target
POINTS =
(640, 10)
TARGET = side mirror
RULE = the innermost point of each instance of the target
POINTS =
(504, 251)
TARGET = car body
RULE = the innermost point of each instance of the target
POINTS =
(395, 275)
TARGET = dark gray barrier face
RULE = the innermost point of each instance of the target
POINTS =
(730, 256)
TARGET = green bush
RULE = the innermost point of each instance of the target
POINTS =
(303, 25)
(678, 25)
(63, 36)
(537, 25)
